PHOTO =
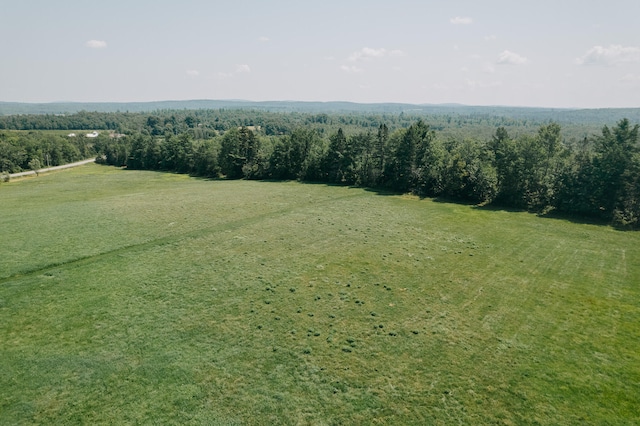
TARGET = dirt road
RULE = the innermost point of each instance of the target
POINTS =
(50, 169)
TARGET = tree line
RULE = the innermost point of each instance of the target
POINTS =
(598, 176)
(484, 159)
(478, 122)
(21, 151)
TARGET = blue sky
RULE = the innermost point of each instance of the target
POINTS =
(523, 53)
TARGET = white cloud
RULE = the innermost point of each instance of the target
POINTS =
(243, 68)
(351, 69)
(193, 73)
(461, 20)
(488, 68)
(490, 38)
(475, 84)
(368, 53)
(472, 84)
(612, 55)
(510, 58)
(631, 78)
(240, 69)
(96, 44)
(263, 39)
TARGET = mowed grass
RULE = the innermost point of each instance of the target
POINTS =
(133, 297)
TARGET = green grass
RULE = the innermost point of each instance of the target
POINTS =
(140, 297)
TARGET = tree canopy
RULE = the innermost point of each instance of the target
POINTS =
(523, 166)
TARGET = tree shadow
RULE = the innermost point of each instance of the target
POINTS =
(491, 207)
(584, 220)
(553, 214)
(378, 191)
(452, 200)
(558, 216)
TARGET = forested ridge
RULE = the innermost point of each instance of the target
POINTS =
(587, 169)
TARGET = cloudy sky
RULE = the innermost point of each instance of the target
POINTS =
(549, 53)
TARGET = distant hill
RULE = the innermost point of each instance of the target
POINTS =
(11, 108)
(560, 115)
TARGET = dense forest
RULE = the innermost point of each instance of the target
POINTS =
(582, 169)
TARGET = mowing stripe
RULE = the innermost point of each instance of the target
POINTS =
(197, 233)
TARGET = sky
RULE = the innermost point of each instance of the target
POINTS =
(539, 53)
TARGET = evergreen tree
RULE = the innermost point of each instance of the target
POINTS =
(614, 153)
(239, 153)
(337, 159)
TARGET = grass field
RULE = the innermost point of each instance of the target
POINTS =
(138, 297)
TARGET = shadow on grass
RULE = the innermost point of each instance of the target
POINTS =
(586, 220)
(557, 215)
(377, 191)
(553, 214)
(452, 200)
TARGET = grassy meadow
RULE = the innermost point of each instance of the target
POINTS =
(131, 297)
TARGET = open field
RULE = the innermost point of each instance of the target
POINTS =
(140, 297)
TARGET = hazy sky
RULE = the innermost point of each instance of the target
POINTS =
(552, 53)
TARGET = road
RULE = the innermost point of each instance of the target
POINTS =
(50, 169)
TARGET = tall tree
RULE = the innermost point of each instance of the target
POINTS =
(361, 168)
(337, 159)
(627, 210)
(550, 140)
(239, 153)
(614, 151)
(416, 160)
(379, 155)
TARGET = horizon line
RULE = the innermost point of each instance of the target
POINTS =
(424, 104)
